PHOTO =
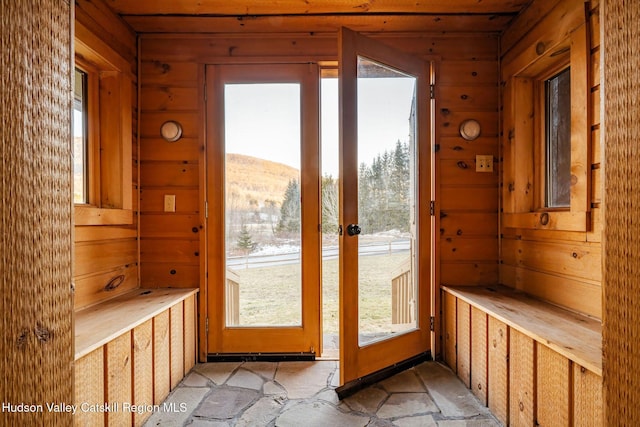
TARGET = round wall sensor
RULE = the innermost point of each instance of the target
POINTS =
(171, 131)
(470, 129)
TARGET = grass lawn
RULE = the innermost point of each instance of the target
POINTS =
(271, 295)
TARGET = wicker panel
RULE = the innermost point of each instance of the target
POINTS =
(449, 329)
(35, 212)
(464, 342)
(89, 382)
(498, 350)
(552, 385)
(587, 398)
(621, 279)
(189, 333)
(118, 379)
(479, 354)
(177, 344)
(161, 369)
(521, 379)
(143, 369)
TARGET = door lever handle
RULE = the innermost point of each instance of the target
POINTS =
(353, 229)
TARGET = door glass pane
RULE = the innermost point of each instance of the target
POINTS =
(262, 204)
(386, 201)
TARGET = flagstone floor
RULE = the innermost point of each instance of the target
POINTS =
(302, 394)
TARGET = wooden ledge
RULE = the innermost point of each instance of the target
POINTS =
(97, 325)
(575, 336)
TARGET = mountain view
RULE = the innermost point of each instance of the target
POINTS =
(252, 179)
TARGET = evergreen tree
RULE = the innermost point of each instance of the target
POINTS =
(384, 192)
(245, 241)
(399, 182)
(290, 209)
(366, 199)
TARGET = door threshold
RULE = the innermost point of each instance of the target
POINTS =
(356, 385)
(327, 359)
(261, 357)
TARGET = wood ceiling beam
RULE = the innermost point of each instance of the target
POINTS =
(305, 7)
(318, 24)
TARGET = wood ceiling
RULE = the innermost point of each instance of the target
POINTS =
(159, 16)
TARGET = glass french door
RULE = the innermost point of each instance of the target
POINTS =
(384, 206)
(263, 241)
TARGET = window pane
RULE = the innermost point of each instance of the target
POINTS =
(263, 204)
(80, 138)
(387, 210)
(558, 144)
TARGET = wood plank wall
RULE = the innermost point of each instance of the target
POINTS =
(172, 89)
(108, 253)
(558, 266)
(466, 200)
(466, 249)
(170, 242)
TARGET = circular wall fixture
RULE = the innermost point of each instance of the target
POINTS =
(171, 131)
(470, 129)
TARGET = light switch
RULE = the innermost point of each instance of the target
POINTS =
(484, 163)
(169, 202)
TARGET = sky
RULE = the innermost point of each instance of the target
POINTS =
(263, 120)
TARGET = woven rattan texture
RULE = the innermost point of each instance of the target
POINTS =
(90, 388)
(449, 303)
(161, 355)
(35, 212)
(587, 398)
(498, 369)
(621, 326)
(143, 368)
(521, 378)
(464, 342)
(552, 387)
(189, 333)
(479, 354)
(177, 344)
(118, 375)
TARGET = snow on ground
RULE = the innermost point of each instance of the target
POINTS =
(277, 250)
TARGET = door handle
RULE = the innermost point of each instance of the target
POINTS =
(353, 229)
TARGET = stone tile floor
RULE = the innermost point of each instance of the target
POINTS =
(303, 394)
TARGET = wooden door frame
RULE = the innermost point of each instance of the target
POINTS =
(256, 339)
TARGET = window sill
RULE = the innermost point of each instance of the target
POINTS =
(90, 215)
(548, 220)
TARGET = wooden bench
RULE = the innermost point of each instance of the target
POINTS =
(132, 350)
(528, 360)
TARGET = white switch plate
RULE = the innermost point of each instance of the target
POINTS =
(484, 163)
(169, 202)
